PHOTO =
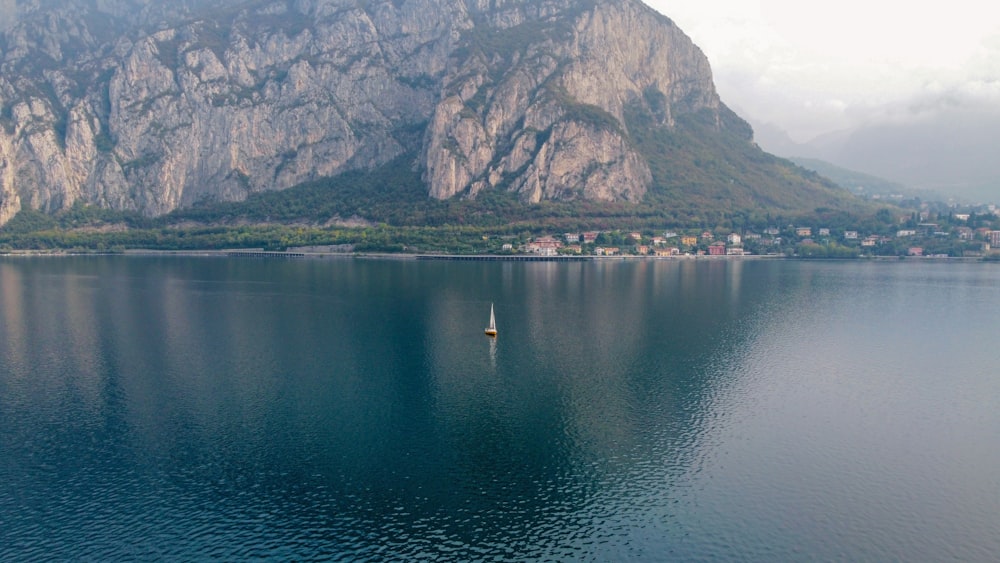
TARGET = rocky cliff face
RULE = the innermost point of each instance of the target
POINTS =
(133, 105)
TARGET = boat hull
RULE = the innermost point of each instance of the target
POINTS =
(491, 332)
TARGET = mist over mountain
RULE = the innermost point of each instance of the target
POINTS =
(950, 151)
(865, 185)
(150, 107)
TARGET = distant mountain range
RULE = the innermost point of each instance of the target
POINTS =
(151, 107)
(866, 185)
(950, 153)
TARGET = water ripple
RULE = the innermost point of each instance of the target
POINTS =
(637, 412)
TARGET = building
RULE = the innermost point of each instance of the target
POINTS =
(707, 236)
(590, 237)
(637, 237)
(717, 249)
(965, 233)
(658, 241)
(994, 239)
(546, 246)
(803, 232)
(689, 241)
(735, 252)
(850, 235)
(824, 232)
(915, 251)
(734, 239)
(572, 238)
(905, 233)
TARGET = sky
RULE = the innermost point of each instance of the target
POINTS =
(812, 67)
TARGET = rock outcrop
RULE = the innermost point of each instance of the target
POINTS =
(134, 105)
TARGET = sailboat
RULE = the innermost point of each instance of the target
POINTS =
(492, 329)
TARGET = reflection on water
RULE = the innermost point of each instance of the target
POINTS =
(173, 408)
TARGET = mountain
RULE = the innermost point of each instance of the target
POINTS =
(949, 152)
(952, 152)
(151, 107)
(861, 183)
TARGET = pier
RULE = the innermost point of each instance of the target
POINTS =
(263, 254)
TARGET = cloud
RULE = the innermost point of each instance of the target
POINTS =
(812, 68)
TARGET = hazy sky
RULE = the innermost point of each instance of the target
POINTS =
(811, 67)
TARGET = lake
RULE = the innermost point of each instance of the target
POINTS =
(342, 409)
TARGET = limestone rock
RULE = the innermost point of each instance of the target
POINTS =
(165, 105)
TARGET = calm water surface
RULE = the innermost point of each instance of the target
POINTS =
(184, 408)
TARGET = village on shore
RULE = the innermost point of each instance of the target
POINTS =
(957, 235)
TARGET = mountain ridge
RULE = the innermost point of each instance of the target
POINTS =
(150, 108)
(944, 154)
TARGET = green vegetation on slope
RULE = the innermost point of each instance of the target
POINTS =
(702, 165)
(387, 209)
(706, 175)
(395, 195)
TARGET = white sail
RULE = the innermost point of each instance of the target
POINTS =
(492, 329)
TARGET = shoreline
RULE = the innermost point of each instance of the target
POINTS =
(258, 254)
